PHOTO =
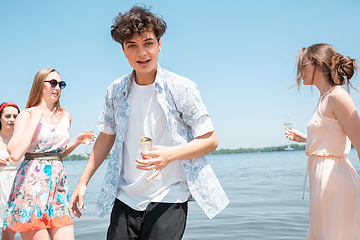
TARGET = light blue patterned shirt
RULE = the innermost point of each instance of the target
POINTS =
(182, 105)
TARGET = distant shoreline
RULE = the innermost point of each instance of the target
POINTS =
(296, 147)
(78, 157)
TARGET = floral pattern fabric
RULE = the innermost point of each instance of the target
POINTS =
(51, 138)
(39, 197)
(180, 99)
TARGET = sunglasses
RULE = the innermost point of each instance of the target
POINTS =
(304, 64)
(53, 83)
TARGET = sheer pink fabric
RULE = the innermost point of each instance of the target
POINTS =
(334, 212)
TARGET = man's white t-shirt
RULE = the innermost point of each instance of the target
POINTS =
(146, 118)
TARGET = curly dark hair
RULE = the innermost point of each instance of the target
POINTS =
(137, 21)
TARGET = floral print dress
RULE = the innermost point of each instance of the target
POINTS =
(39, 197)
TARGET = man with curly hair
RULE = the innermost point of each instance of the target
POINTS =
(150, 188)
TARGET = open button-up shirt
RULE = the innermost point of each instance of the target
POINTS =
(182, 105)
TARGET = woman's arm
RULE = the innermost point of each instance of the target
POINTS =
(295, 135)
(341, 104)
(25, 127)
(80, 139)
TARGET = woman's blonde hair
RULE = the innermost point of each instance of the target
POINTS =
(338, 69)
(36, 91)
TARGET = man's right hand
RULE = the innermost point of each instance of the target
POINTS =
(101, 149)
(77, 201)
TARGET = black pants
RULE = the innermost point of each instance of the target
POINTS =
(159, 221)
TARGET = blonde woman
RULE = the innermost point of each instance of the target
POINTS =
(334, 184)
(38, 202)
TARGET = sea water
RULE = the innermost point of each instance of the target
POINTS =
(264, 189)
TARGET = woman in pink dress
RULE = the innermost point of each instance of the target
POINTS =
(334, 212)
(38, 202)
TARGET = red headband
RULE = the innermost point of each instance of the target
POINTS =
(7, 104)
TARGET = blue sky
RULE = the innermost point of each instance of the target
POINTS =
(241, 54)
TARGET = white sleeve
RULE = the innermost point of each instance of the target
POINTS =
(202, 126)
(106, 129)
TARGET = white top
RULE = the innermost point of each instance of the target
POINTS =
(12, 165)
(7, 175)
(146, 118)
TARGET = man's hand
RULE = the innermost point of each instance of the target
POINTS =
(77, 201)
(157, 159)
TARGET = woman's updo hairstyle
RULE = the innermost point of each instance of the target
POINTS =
(342, 69)
(338, 69)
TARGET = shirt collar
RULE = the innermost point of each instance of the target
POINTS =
(159, 80)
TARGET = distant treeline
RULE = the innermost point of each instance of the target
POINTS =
(255, 150)
(221, 151)
(78, 157)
